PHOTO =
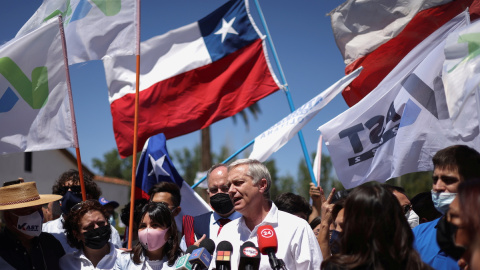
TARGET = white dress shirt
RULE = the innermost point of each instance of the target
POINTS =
(78, 260)
(297, 245)
(55, 228)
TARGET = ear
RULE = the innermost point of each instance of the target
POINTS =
(262, 185)
(177, 211)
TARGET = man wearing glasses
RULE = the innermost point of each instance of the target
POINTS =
(412, 217)
(210, 224)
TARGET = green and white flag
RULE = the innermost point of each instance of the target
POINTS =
(461, 69)
(93, 28)
(35, 112)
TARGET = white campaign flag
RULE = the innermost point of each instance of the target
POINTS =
(93, 28)
(35, 112)
(461, 70)
(278, 135)
(399, 126)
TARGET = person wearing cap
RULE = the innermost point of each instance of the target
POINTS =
(23, 245)
(110, 207)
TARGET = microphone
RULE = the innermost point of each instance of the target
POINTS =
(224, 255)
(182, 262)
(249, 257)
(268, 243)
(201, 257)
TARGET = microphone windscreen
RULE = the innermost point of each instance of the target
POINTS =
(208, 244)
(190, 249)
(224, 246)
(249, 256)
(224, 255)
(267, 239)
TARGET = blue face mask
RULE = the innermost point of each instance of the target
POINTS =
(69, 200)
(335, 242)
(442, 200)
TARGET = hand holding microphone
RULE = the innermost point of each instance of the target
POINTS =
(268, 243)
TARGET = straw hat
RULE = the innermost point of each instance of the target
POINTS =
(23, 195)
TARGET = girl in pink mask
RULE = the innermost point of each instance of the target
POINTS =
(158, 246)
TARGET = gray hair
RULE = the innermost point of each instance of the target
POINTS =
(256, 170)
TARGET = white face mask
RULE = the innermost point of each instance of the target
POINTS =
(441, 200)
(412, 218)
(30, 224)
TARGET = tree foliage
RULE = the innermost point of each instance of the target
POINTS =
(113, 166)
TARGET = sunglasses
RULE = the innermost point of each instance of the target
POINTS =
(74, 189)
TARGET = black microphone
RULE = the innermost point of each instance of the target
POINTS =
(201, 257)
(268, 243)
(182, 263)
(249, 257)
(224, 255)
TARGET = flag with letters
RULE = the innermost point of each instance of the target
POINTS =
(190, 77)
(399, 126)
(35, 112)
(155, 166)
(93, 28)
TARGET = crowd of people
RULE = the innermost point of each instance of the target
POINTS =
(373, 226)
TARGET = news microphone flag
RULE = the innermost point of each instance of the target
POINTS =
(200, 257)
(224, 255)
(155, 166)
(267, 239)
(249, 256)
(191, 77)
(182, 263)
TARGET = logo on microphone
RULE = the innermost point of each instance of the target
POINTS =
(250, 252)
(267, 233)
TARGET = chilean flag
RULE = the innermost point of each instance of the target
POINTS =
(190, 77)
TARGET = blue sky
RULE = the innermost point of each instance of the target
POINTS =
(306, 49)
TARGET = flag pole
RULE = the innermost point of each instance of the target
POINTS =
(319, 157)
(135, 130)
(226, 160)
(72, 111)
(286, 89)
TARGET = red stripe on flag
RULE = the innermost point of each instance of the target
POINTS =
(195, 99)
(381, 61)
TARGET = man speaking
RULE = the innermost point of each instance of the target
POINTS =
(249, 190)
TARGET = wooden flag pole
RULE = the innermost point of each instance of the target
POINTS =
(135, 131)
(72, 111)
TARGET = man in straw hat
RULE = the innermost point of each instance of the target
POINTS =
(23, 245)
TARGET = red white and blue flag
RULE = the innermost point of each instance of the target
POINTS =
(155, 166)
(190, 77)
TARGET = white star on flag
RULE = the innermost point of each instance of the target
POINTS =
(157, 166)
(226, 28)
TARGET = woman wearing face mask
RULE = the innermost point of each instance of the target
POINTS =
(158, 246)
(375, 233)
(88, 230)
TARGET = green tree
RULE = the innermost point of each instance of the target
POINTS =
(328, 179)
(113, 166)
(187, 163)
(413, 183)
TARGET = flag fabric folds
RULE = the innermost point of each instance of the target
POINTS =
(461, 70)
(397, 128)
(93, 28)
(278, 135)
(379, 62)
(155, 166)
(190, 77)
(35, 112)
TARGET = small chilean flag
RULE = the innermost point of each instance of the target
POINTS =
(190, 77)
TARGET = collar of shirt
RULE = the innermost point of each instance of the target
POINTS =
(233, 216)
(113, 253)
(270, 219)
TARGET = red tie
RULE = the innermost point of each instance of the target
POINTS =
(221, 223)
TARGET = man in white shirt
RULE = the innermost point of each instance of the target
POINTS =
(249, 191)
(211, 223)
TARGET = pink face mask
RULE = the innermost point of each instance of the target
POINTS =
(152, 239)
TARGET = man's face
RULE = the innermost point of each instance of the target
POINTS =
(403, 200)
(218, 181)
(446, 180)
(166, 198)
(11, 216)
(246, 196)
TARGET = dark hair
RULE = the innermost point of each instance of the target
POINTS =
(71, 223)
(398, 189)
(370, 242)
(461, 157)
(91, 188)
(160, 213)
(137, 211)
(422, 205)
(469, 199)
(315, 222)
(337, 206)
(168, 187)
(293, 203)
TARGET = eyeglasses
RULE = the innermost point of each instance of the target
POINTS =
(406, 208)
(214, 190)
